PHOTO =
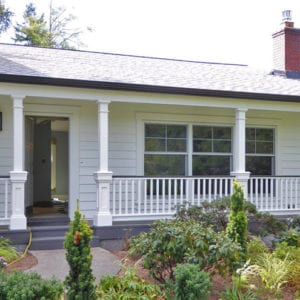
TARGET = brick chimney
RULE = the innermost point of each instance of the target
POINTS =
(286, 48)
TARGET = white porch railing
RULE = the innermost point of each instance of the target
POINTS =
(5, 192)
(277, 195)
(157, 197)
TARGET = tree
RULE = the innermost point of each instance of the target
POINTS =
(80, 281)
(33, 31)
(237, 220)
(5, 17)
(55, 32)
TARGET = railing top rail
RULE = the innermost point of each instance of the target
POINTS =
(175, 177)
(274, 176)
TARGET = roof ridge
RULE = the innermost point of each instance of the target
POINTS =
(129, 55)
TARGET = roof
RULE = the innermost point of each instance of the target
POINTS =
(126, 72)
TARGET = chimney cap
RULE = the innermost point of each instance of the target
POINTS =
(286, 16)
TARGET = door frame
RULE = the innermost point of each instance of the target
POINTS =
(72, 113)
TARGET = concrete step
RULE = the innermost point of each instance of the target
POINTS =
(52, 237)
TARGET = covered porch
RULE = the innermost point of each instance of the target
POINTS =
(117, 138)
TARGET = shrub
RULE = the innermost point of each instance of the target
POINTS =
(191, 283)
(29, 286)
(292, 254)
(263, 224)
(80, 281)
(237, 225)
(214, 213)
(129, 286)
(255, 247)
(7, 250)
(295, 223)
(171, 242)
(269, 273)
(291, 237)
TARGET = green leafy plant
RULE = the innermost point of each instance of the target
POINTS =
(237, 225)
(291, 237)
(214, 213)
(233, 292)
(170, 242)
(292, 254)
(80, 280)
(269, 273)
(191, 283)
(128, 286)
(7, 250)
(255, 247)
(29, 286)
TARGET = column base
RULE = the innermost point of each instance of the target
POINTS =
(103, 219)
(242, 178)
(18, 222)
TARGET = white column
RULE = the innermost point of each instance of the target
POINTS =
(239, 150)
(18, 176)
(103, 176)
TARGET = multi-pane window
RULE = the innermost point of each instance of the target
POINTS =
(260, 151)
(212, 150)
(165, 149)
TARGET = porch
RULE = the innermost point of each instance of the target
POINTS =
(139, 198)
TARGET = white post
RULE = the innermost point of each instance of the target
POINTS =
(18, 176)
(103, 176)
(239, 150)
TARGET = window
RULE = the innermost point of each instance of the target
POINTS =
(165, 149)
(260, 151)
(212, 150)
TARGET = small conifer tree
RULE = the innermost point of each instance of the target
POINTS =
(237, 221)
(80, 281)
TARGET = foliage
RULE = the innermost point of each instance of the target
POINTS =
(171, 242)
(53, 33)
(264, 223)
(7, 250)
(236, 292)
(269, 273)
(292, 254)
(80, 281)
(5, 17)
(128, 286)
(295, 222)
(214, 213)
(255, 247)
(237, 220)
(33, 31)
(191, 283)
(29, 286)
(291, 237)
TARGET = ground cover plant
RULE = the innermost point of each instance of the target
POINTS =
(8, 253)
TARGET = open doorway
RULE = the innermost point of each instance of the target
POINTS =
(47, 148)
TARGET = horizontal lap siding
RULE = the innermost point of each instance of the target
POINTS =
(289, 145)
(6, 153)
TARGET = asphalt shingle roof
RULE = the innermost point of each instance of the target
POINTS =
(125, 69)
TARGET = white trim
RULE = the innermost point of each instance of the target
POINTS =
(72, 113)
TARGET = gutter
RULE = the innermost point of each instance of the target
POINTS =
(119, 86)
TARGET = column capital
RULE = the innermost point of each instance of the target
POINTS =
(103, 101)
(241, 109)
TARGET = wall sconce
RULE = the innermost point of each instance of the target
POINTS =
(0, 120)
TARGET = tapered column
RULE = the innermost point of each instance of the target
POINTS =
(103, 176)
(18, 176)
(239, 150)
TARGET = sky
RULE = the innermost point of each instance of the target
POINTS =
(226, 31)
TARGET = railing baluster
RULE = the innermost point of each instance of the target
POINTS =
(157, 195)
(139, 195)
(151, 196)
(163, 195)
(169, 195)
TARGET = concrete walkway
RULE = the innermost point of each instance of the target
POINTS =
(52, 263)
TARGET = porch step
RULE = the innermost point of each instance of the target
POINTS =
(48, 221)
(51, 237)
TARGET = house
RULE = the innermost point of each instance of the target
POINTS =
(132, 137)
